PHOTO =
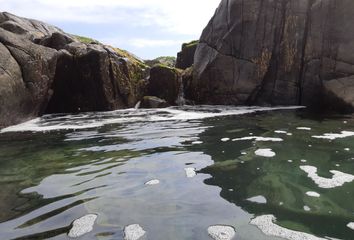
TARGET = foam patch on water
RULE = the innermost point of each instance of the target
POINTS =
(197, 142)
(225, 139)
(258, 139)
(266, 152)
(190, 172)
(351, 225)
(333, 136)
(133, 232)
(307, 208)
(313, 194)
(258, 199)
(304, 128)
(280, 131)
(338, 179)
(95, 120)
(266, 224)
(153, 182)
(221, 232)
(82, 225)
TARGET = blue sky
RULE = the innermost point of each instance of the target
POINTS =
(147, 28)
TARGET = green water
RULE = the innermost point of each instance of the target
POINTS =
(50, 178)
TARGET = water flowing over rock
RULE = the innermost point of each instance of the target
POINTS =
(291, 52)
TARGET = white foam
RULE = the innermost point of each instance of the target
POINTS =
(304, 128)
(280, 131)
(307, 208)
(290, 161)
(266, 225)
(197, 142)
(258, 199)
(338, 179)
(133, 232)
(351, 225)
(258, 139)
(289, 134)
(225, 139)
(303, 160)
(346, 149)
(313, 194)
(94, 120)
(221, 232)
(82, 225)
(153, 182)
(333, 136)
(190, 172)
(266, 152)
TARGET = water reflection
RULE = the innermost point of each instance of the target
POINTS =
(49, 179)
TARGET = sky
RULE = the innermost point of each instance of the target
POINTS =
(147, 28)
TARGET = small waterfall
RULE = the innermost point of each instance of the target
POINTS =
(137, 105)
(180, 98)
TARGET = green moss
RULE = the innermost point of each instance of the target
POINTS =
(165, 60)
(190, 44)
(130, 57)
(86, 39)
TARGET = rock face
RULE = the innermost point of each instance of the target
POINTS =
(277, 52)
(164, 82)
(185, 57)
(44, 70)
(153, 102)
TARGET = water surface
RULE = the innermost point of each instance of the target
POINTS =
(58, 168)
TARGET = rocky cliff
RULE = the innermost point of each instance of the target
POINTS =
(44, 70)
(277, 52)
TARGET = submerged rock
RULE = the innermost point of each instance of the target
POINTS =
(221, 232)
(133, 232)
(277, 52)
(82, 226)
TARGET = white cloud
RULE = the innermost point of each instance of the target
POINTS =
(142, 43)
(186, 17)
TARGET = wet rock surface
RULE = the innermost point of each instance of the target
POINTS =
(277, 52)
(45, 70)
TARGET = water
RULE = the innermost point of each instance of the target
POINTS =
(59, 168)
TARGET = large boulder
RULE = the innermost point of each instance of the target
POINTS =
(26, 74)
(185, 57)
(45, 70)
(164, 82)
(277, 52)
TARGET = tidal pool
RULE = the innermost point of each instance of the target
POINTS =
(177, 173)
